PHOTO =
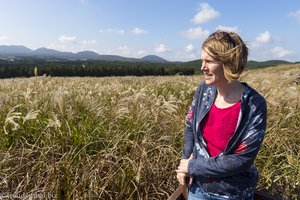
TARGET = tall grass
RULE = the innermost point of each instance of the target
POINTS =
(121, 137)
(279, 158)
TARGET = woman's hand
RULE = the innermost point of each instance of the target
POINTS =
(184, 179)
(182, 172)
(183, 166)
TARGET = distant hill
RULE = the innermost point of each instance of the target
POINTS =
(13, 51)
(87, 55)
(250, 64)
(22, 51)
(153, 58)
(44, 52)
(196, 64)
(256, 64)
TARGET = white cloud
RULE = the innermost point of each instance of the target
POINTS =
(295, 15)
(281, 52)
(205, 14)
(192, 56)
(262, 41)
(189, 53)
(112, 30)
(64, 38)
(138, 31)
(186, 56)
(196, 33)
(228, 28)
(66, 43)
(124, 47)
(264, 37)
(59, 47)
(3, 38)
(87, 42)
(126, 51)
(189, 48)
(161, 48)
(141, 52)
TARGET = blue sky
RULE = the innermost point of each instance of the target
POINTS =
(172, 29)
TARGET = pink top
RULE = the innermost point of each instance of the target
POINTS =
(218, 126)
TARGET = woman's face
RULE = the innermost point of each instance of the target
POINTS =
(212, 69)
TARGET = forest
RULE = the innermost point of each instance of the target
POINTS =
(27, 67)
(57, 67)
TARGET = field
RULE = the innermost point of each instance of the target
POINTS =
(121, 137)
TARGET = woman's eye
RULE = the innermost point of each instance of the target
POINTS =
(212, 62)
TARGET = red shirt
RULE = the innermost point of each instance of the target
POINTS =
(218, 126)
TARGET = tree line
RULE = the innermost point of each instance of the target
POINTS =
(91, 68)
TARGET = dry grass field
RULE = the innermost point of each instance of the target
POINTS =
(121, 137)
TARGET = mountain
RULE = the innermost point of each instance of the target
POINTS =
(14, 50)
(87, 55)
(117, 58)
(44, 52)
(256, 64)
(153, 58)
(83, 55)
(22, 51)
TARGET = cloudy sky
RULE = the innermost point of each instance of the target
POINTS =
(172, 29)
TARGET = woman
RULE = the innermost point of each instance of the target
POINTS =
(225, 125)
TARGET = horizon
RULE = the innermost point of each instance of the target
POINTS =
(133, 29)
(125, 56)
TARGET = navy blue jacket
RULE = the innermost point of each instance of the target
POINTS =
(232, 172)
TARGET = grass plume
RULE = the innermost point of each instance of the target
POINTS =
(121, 137)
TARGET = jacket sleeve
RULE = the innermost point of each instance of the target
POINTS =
(189, 140)
(243, 156)
(188, 133)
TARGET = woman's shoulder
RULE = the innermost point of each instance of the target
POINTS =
(252, 95)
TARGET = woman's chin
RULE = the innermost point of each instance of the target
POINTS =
(209, 82)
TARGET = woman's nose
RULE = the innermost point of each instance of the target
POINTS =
(202, 66)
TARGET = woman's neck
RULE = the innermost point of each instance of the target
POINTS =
(229, 93)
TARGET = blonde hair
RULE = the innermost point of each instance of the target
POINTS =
(229, 48)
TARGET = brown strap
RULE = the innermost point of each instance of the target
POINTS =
(181, 193)
(259, 195)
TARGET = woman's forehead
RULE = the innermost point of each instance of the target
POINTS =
(205, 53)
